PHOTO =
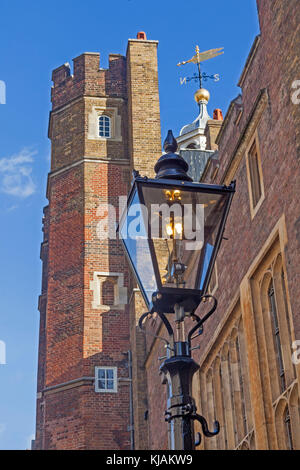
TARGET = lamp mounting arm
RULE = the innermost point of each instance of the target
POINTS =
(204, 425)
(166, 323)
(202, 320)
(188, 411)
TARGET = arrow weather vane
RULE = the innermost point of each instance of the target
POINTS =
(197, 59)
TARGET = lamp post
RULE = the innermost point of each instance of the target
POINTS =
(171, 231)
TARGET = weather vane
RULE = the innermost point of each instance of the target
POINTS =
(197, 59)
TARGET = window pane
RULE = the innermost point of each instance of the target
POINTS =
(254, 174)
(101, 373)
(289, 439)
(104, 126)
(110, 373)
(101, 384)
(276, 333)
(110, 384)
(195, 219)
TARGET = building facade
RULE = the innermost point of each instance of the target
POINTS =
(99, 385)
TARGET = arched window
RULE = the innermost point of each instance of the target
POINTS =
(224, 387)
(279, 367)
(104, 126)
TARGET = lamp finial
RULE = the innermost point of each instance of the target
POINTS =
(171, 165)
(170, 143)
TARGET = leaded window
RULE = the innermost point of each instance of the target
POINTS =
(104, 126)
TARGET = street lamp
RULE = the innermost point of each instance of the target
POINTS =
(171, 230)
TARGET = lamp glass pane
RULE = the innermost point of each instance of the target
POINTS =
(134, 236)
(184, 226)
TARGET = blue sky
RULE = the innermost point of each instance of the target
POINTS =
(36, 37)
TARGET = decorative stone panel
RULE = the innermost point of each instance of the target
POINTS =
(120, 292)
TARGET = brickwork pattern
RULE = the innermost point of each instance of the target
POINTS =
(144, 148)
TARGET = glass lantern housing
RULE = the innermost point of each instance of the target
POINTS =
(171, 231)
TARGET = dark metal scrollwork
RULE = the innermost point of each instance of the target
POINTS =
(199, 324)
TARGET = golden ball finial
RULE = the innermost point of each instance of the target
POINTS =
(202, 94)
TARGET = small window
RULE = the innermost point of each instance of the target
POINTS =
(106, 379)
(254, 174)
(104, 126)
(255, 181)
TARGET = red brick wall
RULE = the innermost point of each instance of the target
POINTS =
(74, 337)
(65, 277)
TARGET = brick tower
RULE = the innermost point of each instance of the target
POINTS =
(103, 123)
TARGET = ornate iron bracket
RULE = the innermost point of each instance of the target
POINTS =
(200, 322)
(198, 326)
(205, 430)
(189, 411)
(166, 323)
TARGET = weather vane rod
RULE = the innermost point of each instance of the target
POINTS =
(197, 59)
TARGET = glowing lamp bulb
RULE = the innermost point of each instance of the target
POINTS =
(169, 229)
(178, 228)
(177, 194)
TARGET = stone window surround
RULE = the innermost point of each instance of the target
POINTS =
(115, 121)
(120, 292)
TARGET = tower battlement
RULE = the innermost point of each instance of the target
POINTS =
(88, 78)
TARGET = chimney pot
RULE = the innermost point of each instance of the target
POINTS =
(218, 115)
(141, 35)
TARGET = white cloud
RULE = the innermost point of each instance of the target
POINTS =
(12, 208)
(15, 174)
